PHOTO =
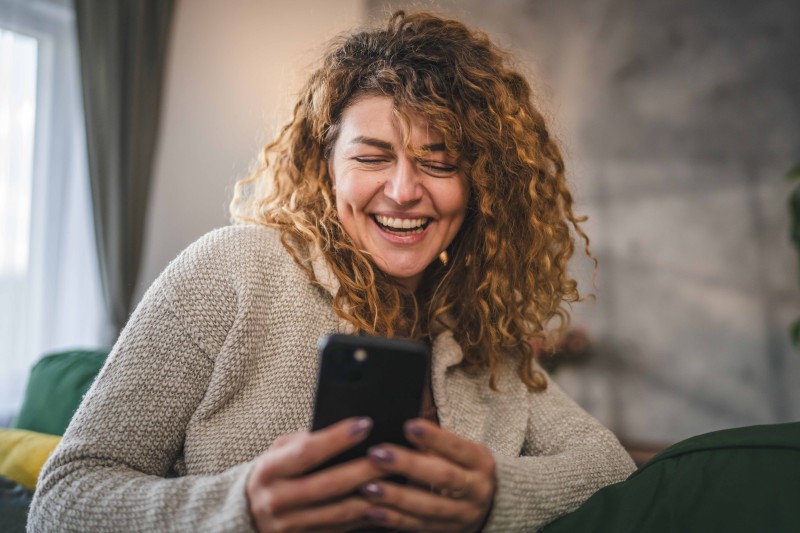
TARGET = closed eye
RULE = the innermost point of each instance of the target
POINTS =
(370, 160)
(432, 168)
(438, 169)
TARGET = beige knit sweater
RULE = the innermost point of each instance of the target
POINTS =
(220, 358)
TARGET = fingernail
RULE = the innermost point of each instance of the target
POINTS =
(360, 426)
(381, 455)
(372, 489)
(415, 429)
(378, 515)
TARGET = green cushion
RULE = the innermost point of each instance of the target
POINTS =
(55, 388)
(744, 479)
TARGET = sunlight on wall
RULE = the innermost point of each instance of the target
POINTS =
(231, 75)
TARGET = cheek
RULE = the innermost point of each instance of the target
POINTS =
(352, 198)
(354, 193)
(457, 206)
(453, 202)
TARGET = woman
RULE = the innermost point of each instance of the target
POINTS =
(415, 192)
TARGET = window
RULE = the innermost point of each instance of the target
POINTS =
(17, 114)
(50, 297)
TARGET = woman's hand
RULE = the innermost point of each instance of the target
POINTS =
(281, 498)
(461, 474)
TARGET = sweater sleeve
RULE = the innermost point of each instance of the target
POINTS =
(113, 470)
(566, 457)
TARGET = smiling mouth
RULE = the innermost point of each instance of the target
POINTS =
(401, 226)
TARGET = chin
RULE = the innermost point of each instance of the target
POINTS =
(401, 273)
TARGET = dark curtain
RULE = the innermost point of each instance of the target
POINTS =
(123, 47)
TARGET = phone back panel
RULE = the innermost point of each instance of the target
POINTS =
(381, 378)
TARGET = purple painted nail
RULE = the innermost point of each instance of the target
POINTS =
(378, 515)
(382, 455)
(360, 426)
(372, 489)
(415, 429)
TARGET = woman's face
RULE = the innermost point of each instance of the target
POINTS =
(402, 209)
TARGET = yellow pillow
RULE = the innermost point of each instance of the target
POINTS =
(23, 453)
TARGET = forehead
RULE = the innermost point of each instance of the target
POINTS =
(376, 117)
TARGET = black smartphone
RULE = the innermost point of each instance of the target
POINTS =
(377, 377)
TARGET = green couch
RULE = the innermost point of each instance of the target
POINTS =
(55, 388)
(736, 480)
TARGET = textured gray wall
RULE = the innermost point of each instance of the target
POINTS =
(679, 120)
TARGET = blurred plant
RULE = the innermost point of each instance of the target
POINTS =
(571, 349)
(794, 217)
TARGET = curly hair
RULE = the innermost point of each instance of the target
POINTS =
(506, 280)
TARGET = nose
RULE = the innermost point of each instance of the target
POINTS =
(403, 186)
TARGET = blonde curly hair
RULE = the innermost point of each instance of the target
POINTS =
(506, 280)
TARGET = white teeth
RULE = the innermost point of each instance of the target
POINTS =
(402, 223)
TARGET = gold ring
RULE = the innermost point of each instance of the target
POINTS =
(464, 488)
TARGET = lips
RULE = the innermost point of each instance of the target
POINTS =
(401, 226)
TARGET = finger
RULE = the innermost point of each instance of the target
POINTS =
(330, 483)
(312, 449)
(431, 470)
(426, 435)
(393, 519)
(286, 438)
(336, 516)
(418, 502)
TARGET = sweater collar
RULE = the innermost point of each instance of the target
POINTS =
(328, 281)
(446, 351)
(324, 274)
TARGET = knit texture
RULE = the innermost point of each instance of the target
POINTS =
(220, 358)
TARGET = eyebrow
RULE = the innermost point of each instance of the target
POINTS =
(383, 145)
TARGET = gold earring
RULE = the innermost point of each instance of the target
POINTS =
(443, 257)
